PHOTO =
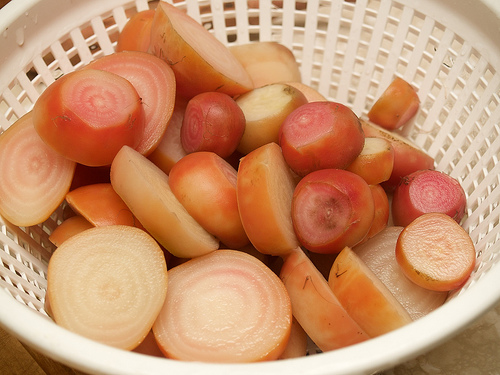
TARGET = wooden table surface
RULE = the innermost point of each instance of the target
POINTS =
(18, 359)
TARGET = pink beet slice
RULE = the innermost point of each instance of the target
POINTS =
(427, 191)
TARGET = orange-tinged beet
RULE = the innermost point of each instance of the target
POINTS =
(225, 307)
(136, 34)
(382, 211)
(320, 135)
(396, 106)
(201, 62)
(108, 284)
(375, 162)
(205, 184)
(331, 209)
(154, 82)
(435, 252)
(88, 115)
(145, 189)
(297, 343)
(315, 307)
(34, 177)
(408, 157)
(265, 187)
(267, 62)
(427, 191)
(68, 228)
(364, 296)
(101, 205)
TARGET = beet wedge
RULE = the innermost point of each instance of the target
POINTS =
(200, 61)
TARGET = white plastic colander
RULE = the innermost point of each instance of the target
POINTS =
(350, 51)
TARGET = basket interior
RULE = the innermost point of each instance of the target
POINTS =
(349, 51)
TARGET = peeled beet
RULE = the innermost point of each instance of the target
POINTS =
(320, 135)
(427, 191)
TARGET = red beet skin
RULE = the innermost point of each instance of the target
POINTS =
(212, 122)
(427, 191)
(321, 135)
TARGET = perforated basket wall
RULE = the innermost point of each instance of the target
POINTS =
(348, 50)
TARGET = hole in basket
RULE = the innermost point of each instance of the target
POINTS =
(39, 271)
(16, 88)
(75, 60)
(113, 37)
(67, 44)
(299, 5)
(406, 51)
(493, 105)
(5, 265)
(71, 51)
(95, 47)
(420, 75)
(230, 22)
(370, 16)
(5, 279)
(18, 273)
(6, 110)
(372, 92)
(47, 230)
(347, 11)
(208, 25)
(10, 235)
(437, 32)
(27, 103)
(130, 12)
(87, 32)
(363, 47)
(109, 22)
(385, 47)
(32, 74)
(229, 6)
(48, 58)
(35, 79)
(254, 36)
(401, 66)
